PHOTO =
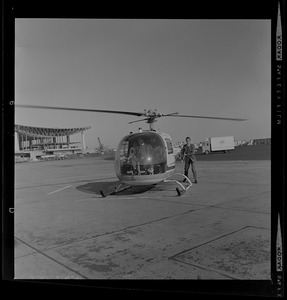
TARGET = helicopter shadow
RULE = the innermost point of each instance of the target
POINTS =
(109, 186)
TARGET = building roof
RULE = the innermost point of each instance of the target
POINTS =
(48, 132)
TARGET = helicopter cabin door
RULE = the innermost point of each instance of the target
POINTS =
(170, 153)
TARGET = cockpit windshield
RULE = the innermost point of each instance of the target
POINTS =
(142, 154)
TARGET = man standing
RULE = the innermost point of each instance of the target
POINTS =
(188, 154)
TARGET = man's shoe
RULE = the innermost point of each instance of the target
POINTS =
(195, 181)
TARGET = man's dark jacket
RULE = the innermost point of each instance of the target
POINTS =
(188, 151)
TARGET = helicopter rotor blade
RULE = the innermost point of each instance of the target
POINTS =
(138, 114)
(172, 114)
(205, 117)
(138, 121)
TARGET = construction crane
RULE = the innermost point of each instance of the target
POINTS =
(101, 146)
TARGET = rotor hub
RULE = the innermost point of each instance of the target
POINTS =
(151, 113)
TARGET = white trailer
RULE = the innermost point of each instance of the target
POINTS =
(214, 144)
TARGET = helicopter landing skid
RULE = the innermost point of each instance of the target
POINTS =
(118, 189)
(183, 188)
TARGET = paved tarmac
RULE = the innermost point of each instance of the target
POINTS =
(218, 229)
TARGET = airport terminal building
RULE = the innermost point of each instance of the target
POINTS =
(35, 142)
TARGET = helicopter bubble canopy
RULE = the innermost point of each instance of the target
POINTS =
(141, 154)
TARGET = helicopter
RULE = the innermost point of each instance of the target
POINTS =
(146, 157)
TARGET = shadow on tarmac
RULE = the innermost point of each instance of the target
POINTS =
(109, 186)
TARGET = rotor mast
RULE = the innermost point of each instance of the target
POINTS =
(151, 115)
(151, 122)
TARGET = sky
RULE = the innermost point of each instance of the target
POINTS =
(219, 68)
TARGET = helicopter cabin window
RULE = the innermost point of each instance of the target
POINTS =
(124, 149)
(142, 154)
(169, 146)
